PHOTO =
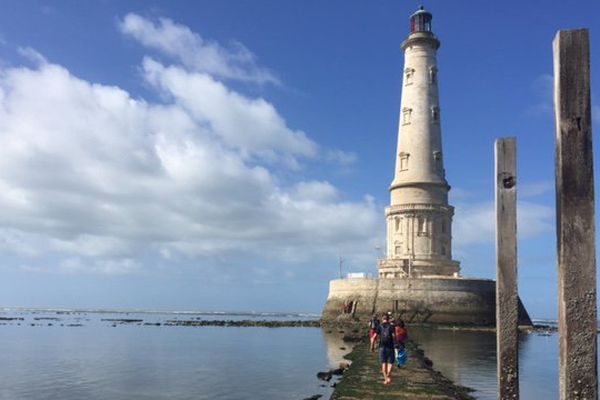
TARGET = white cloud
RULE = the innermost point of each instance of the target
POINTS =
(458, 193)
(252, 126)
(92, 245)
(32, 55)
(543, 91)
(343, 158)
(121, 266)
(596, 113)
(195, 52)
(475, 223)
(534, 189)
(101, 180)
(18, 242)
(542, 88)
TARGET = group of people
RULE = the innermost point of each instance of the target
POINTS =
(392, 337)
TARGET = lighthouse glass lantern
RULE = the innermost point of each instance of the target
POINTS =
(420, 21)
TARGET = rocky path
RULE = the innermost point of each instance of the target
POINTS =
(415, 380)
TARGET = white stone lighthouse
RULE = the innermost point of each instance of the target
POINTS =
(418, 280)
(419, 218)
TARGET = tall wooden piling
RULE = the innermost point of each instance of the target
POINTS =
(507, 300)
(575, 217)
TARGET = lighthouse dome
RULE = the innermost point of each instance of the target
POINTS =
(420, 21)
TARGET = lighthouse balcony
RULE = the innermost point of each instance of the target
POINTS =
(417, 207)
(416, 268)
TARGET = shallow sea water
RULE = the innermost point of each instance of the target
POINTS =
(89, 357)
(131, 361)
(469, 358)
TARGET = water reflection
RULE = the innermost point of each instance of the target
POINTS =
(469, 359)
(93, 360)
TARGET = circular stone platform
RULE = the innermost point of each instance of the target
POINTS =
(436, 300)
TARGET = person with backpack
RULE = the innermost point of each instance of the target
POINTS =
(386, 348)
(400, 336)
(373, 326)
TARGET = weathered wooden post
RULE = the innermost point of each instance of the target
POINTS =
(507, 300)
(575, 228)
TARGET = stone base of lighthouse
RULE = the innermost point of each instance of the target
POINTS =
(433, 300)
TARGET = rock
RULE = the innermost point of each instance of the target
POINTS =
(337, 371)
(342, 348)
(313, 397)
(122, 320)
(344, 365)
(325, 376)
(352, 338)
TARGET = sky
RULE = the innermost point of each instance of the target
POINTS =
(223, 155)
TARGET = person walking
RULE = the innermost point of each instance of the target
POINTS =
(400, 336)
(386, 348)
(373, 326)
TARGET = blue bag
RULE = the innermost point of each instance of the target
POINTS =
(401, 357)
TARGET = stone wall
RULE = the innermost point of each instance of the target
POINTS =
(415, 300)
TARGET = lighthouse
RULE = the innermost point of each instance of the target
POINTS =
(419, 218)
(418, 281)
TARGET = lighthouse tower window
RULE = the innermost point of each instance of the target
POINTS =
(403, 161)
(435, 114)
(406, 112)
(421, 226)
(409, 73)
(437, 157)
(433, 75)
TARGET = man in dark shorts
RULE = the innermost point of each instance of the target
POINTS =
(385, 331)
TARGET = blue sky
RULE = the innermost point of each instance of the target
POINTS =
(223, 155)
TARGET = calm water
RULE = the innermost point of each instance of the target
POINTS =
(131, 361)
(92, 359)
(469, 358)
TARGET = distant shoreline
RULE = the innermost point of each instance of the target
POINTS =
(247, 323)
(64, 310)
